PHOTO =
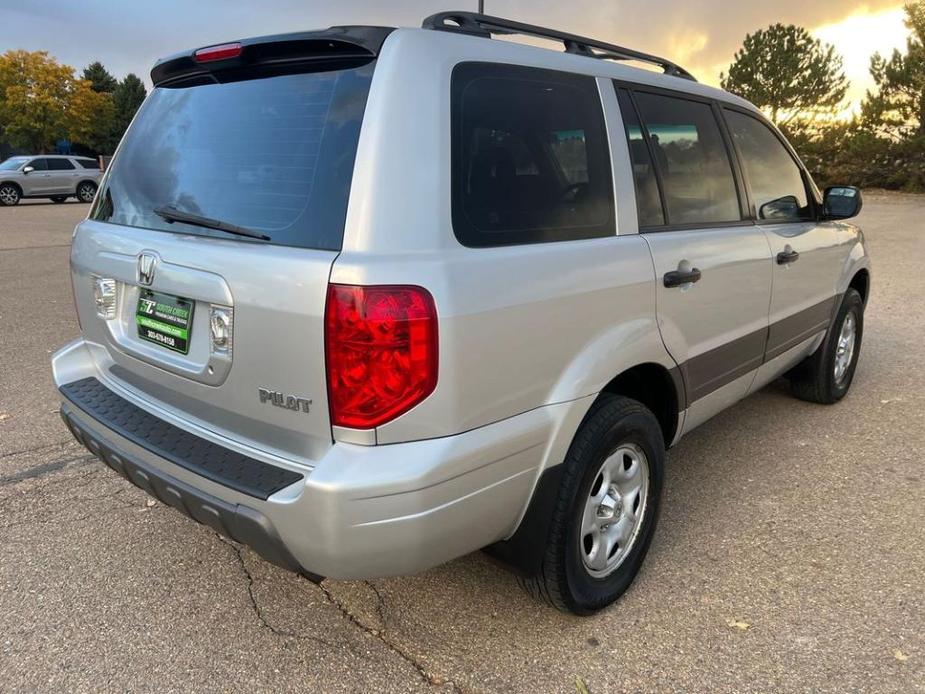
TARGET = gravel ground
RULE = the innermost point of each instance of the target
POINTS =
(790, 555)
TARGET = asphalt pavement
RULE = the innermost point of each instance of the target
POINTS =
(790, 554)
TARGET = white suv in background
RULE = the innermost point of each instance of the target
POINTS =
(52, 176)
(368, 299)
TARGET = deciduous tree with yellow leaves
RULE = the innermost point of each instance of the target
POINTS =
(42, 101)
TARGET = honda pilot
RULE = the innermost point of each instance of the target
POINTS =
(369, 299)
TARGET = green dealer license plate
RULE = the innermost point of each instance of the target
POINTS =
(165, 320)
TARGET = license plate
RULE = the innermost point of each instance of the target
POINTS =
(164, 320)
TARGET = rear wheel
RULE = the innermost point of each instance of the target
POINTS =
(9, 194)
(826, 375)
(59, 198)
(606, 510)
(86, 191)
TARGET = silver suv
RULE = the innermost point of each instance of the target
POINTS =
(51, 176)
(370, 299)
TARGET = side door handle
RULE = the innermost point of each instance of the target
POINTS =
(676, 278)
(788, 255)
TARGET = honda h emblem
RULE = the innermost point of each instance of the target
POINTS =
(146, 264)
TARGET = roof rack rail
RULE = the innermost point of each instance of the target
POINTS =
(485, 25)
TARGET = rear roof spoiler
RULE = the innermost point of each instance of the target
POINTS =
(333, 48)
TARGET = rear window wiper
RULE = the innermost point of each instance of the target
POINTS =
(171, 214)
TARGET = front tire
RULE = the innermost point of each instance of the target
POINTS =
(9, 195)
(826, 375)
(606, 510)
(86, 191)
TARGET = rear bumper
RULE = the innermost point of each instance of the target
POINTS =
(362, 511)
(236, 521)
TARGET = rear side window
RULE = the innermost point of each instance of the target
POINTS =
(648, 202)
(530, 161)
(59, 164)
(692, 160)
(273, 155)
(89, 164)
(774, 179)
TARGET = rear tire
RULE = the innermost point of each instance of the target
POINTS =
(86, 191)
(59, 198)
(10, 194)
(826, 375)
(603, 520)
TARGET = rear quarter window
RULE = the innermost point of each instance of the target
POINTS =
(530, 161)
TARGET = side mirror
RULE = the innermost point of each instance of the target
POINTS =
(841, 202)
(28, 169)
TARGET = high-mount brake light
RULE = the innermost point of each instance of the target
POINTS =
(381, 352)
(220, 52)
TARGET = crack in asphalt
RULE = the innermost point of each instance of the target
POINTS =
(44, 469)
(34, 248)
(380, 634)
(377, 634)
(57, 517)
(35, 448)
(380, 603)
(239, 555)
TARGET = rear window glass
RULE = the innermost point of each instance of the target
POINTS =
(272, 155)
(530, 156)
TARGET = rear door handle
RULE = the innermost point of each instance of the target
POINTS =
(676, 278)
(788, 255)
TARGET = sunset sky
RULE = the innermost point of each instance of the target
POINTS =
(702, 35)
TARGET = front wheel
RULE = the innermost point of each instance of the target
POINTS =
(826, 375)
(606, 510)
(9, 195)
(86, 191)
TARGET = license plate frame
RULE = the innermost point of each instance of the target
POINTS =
(165, 320)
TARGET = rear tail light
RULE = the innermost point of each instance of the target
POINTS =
(221, 52)
(381, 352)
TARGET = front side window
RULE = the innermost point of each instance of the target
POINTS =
(692, 160)
(774, 178)
(59, 165)
(530, 160)
(38, 164)
(13, 163)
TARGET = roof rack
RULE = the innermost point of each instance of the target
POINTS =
(484, 25)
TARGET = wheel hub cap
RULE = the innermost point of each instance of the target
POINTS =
(844, 348)
(614, 510)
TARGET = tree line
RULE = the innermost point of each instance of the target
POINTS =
(798, 81)
(795, 78)
(43, 102)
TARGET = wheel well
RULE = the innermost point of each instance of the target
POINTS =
(12, 183)
(88, 180)
(861, 283)
(653, 386)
